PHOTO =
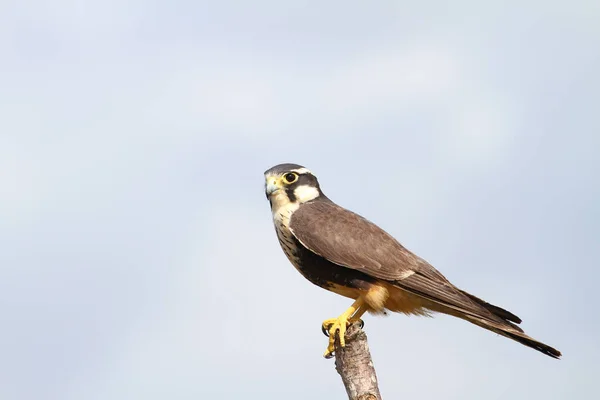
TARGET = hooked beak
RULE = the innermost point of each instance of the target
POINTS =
(271, 188)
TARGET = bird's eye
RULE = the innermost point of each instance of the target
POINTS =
(290, 177)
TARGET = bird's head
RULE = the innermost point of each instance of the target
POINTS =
(290, 184)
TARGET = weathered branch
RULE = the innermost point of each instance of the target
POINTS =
(354, 364)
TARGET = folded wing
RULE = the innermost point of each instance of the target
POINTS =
(349, 240)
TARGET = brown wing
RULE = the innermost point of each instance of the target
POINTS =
(349, 240)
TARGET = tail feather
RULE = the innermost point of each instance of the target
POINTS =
(500, 312)
(508, 330)
(497, 320)
(448, 299)
(507, 327)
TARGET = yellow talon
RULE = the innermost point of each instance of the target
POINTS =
(332, 326)
(340, 324)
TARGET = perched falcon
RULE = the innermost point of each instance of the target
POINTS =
(345, 253)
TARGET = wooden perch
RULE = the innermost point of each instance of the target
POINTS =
(353, 363)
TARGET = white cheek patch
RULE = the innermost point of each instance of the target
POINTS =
(306, 193)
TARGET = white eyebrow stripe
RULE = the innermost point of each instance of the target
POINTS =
(301, 171)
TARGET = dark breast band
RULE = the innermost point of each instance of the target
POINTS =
(324, 273)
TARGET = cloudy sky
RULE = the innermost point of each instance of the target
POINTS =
(137, 254)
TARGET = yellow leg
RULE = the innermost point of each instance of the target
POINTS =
(352, 314)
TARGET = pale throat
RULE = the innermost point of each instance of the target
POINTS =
(282, 208)
(280, 204)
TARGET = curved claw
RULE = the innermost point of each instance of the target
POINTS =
(338, 325)
(325, 329)
(332, 327)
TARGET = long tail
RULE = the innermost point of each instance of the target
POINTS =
(505, 327)
(439, 295)
(512, 332)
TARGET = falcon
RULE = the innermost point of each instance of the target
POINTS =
(341, 251)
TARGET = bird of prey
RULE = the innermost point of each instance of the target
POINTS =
(341, 251)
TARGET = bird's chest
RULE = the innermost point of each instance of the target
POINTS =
(289, 244)
(313, 267)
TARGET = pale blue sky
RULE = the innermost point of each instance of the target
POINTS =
(137, 254)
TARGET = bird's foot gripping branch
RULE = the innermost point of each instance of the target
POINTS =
(338, 325)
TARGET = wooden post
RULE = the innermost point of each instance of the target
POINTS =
(354, 364)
